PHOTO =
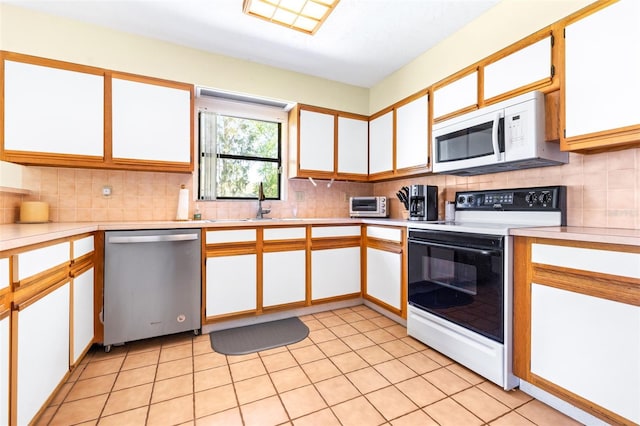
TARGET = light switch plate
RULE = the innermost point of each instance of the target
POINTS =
(106, 191)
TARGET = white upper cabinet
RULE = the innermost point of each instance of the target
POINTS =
(353, 146)
(412, 133)
(459, 94)
(521, 68)
(317, 136)
(602, 66)
(151, 122)
(381, 144)
(52, 110)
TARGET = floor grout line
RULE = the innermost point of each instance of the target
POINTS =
(172, 348)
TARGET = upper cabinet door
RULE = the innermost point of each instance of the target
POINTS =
(152, 122)
(381, 144)
(412, 134)
(602, 65)
(456, 96)
(353, 146)
(49, 110)
(317, 139)
(524, 67)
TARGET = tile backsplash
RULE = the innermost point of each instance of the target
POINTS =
(603, 191)
(75, 195)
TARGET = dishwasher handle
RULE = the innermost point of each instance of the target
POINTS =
(134, 239)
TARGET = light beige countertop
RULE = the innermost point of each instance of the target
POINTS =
(19, 235)
(577, 233)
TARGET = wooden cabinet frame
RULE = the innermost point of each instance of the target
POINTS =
(231, 249)
(106, 161)
(23, 293)
(397, 247)
(328, 243)
(294, 144)
(600, 285)
(621, 138)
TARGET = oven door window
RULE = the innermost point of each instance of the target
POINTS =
(460, 284)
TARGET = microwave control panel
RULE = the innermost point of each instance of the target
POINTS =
(548, 198)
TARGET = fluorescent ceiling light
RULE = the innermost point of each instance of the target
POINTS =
(302, 15)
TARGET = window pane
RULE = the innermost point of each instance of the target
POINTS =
(241, 178)
(207, 155)
(241, 136)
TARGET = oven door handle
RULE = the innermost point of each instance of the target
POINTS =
(485, 252)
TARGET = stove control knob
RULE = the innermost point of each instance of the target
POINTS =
(470, 199)
(529, 198)
(546, 198)
(461, 199)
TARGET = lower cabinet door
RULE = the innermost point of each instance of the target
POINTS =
(231, 284)
(589, 346)
(335, 272)
(82, 314)
(4, 370)
(283, 277)
(384, 276)
(43, 351)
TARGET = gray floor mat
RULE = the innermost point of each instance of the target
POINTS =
(258, 337)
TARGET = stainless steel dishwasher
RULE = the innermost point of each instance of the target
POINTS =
(151, 284)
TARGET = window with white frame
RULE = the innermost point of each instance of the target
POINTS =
(240, 146)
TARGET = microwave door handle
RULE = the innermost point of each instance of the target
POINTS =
(494, 134)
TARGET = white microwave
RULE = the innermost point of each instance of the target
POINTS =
(508, 135)
(368, 207)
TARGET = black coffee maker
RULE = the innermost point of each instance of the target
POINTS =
(423, 202)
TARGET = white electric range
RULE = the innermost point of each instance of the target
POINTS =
(460, 275)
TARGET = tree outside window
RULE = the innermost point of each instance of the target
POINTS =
(240, 153)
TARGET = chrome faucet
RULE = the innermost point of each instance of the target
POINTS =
(261, 198)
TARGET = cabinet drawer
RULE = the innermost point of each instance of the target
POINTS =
(83, 246)
(39, 260)
(335, 231)
(231, 236)
(592, 260)
(383, 233)
(284, 234)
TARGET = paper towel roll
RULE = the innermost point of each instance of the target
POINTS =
(183, 204)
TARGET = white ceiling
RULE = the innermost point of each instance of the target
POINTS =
(361, 43)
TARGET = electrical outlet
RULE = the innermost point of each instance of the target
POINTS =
(346, 196)
(299, 195)
(106, 191)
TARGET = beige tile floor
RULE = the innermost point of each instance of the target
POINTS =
(357, 367)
